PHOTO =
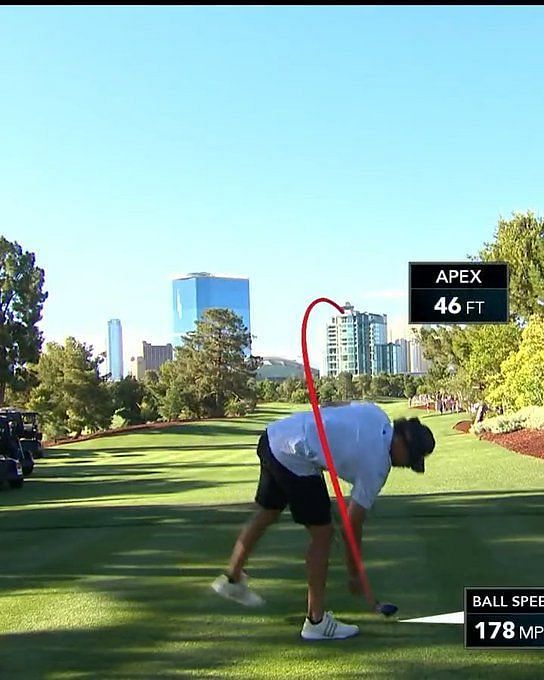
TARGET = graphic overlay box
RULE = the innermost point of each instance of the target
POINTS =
(505, 618)
(458, 292)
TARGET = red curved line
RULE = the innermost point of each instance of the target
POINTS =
(357, 558)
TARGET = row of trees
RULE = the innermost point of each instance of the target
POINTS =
(501, 364)
(213, 374)
(342, 388)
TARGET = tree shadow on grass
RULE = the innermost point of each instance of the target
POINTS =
(63, 490)
(156, 563)
(216, 448)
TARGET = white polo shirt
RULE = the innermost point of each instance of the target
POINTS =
(359, 436)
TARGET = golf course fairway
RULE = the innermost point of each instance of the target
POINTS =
(108, 551)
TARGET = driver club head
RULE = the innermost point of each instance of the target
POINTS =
(387, 609)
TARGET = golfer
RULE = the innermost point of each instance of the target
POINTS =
(364, 446)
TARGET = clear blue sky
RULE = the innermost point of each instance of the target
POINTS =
(316, 150)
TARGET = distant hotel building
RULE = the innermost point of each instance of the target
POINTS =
(196, 292)
(403, 355)
(418, 363)
(389, 358)
(115, 349)
(154, 356)
(354, 340)
(357, 344)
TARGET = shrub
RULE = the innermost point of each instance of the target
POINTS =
(530, 417)
(237, 407)
(118, 422)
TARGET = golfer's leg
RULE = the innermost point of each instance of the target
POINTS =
(248, 538)
(317, 565)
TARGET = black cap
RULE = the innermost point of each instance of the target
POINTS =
(419, 440)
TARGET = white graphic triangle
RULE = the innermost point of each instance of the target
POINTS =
(453, 617)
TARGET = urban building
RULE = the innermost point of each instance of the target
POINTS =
(137, 368)
(194, 293)
(418, 363)
(154, 356)
(388, 358)
(115, 349)
(279, 369)
(353, 342)
(403, 363)
(377, 337)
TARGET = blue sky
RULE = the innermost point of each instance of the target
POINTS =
(316, 150)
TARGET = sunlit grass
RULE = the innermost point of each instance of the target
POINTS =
(108, 552)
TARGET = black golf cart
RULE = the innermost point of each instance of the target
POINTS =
(11, 429)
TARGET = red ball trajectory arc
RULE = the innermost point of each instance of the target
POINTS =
(357, 558)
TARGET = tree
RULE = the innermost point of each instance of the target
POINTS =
(446, 349)
(288, 386)
(127, 397)
(211, 369)
(176, 393)
(409, 386)
(522, 372)
(18, 395)
(379, 385)
(326, 389)
(362, 385)
(489, 346)
(346, 388)
(267, 390)
(21, 304)
(300, 396)
(520, 242)
(71, 395)
(150, 407)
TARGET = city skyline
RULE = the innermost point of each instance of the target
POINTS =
(131, 358)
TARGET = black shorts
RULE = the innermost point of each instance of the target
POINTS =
(307, 496)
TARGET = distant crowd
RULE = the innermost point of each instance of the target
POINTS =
(441, 403)
(448, 403)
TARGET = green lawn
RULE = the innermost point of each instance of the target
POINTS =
(107, 554)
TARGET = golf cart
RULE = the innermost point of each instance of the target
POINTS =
(11, 428)
(32, 437)
(11, 471)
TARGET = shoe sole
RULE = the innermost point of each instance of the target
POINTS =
(322, 638)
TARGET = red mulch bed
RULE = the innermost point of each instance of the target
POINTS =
(463, 426)
(528, 442)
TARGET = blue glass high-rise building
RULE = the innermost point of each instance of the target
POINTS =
(196, 292)
(115, 349)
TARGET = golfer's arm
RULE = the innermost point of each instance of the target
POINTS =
(357, 516)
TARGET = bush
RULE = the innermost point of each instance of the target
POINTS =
(118, 422)
(300, 396)
(237, 407)
(530, 417)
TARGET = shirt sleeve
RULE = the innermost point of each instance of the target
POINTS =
(366, 490)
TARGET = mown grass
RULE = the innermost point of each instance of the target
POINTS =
(108, 552)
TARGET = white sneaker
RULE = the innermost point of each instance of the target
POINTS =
(239, 592)
(327, 629)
